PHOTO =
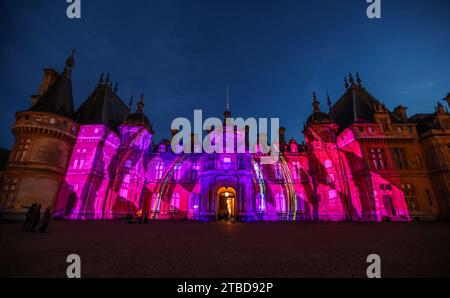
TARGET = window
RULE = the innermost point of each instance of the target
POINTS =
(332, 196)
(155, 203)
(370, 129)
(277, 171)
(377, 159)
(123, 193)
(22, 150)
(260, 203)
(126, 179)
(398, 155)
(410, 196)
(280, 203)
(177, 172)
(75, 164)
(128, 164)
(194, 170)
(52, 121)
(194, 199)
(297, 170)
(328, 164)
(159, 170)
(175, 203)
(81, 164)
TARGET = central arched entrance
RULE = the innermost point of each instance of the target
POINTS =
(226, 204)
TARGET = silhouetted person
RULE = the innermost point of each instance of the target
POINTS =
(36, 217)
(146, 217)
(28, 217)
(139, 216)
(45, 220)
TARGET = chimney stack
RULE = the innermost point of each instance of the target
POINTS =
(400, 112)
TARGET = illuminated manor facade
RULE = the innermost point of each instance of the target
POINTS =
(359, 162)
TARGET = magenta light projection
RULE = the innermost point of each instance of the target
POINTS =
(116, 173)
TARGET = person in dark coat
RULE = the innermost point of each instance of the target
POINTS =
(36, 217)
(146, 217)
(28, 218)
(45, 220)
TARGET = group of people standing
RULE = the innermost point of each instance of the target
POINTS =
(139, 217)
(33, 218)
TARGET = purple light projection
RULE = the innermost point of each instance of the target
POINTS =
(327, 178)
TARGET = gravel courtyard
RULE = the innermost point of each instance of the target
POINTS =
(191, 249)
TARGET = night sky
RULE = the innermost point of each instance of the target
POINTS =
(181, 54)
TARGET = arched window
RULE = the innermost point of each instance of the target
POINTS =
(328, 164)
(280, 202)
(159, 170)
(175, 202)
(155, 203)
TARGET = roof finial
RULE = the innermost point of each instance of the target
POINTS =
(346, 83)
(141, 104)
(101, 80)
(228, 97)
(108, 78)
(358, 79)
(329, 102)
(350, 77)
(227, 112)
(130, 105)
(316, 103)
(70, 63)
(116, 87)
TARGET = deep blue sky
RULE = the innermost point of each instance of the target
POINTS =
(274, 53)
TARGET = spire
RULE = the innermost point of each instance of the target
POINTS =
(350, 77)
(140, 104)
(227, 112)
(346, 83)
(108, 78)
(130, 105)
(316, 103)
(116, 87)
(70, 63)
(329, 102)
(101, 80)
(358, 79)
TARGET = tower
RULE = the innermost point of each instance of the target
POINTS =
(44, 138)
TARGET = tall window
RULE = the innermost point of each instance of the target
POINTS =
(9, 191)
(159, 170)
(410, 196)
(155, 202)
(22, 150)
(332, 196)
(377, 159)
(398, 155)
(296, 170)
(177, 172)
(194, 201)
(280, 202)
(260, 203)
(194, 170)
(175, 202)
(277, 171)
(328, 164)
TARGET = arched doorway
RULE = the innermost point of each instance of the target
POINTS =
(226, 204)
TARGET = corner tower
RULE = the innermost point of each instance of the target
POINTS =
(44, 138)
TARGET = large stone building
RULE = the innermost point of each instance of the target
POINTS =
(359, 161)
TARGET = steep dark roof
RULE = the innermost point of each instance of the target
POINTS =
(139, 119)
(103, 106)
(59, 98)
(319, 118)
(356, 105)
